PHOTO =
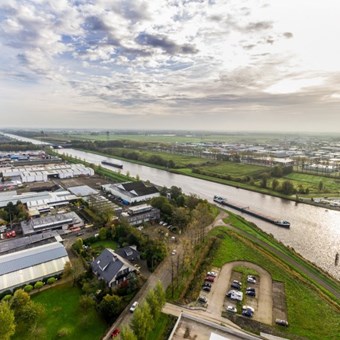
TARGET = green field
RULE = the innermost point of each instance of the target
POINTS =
(234, 169)
(309, 315)
(63, 312)
(331, 185)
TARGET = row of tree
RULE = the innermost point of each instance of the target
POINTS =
(146, 315)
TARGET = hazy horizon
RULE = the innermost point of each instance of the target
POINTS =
(224, 66)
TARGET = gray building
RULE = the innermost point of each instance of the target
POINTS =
(31, 265)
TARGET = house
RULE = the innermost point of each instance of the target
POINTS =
(141, 213)
(31, 265)
(111, 267)
(132, 192)
(129, 253)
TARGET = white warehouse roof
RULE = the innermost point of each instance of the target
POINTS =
(29, 265)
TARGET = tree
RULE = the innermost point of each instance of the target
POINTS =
(160, 293)
(110, 307)
(287, 188)
(321, 187)
(103, 234)
(67, 270)
(7, 322)
(275, 184)
(142, 321)
(127, 334)
(86, 302)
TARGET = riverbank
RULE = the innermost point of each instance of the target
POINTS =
(298, 199)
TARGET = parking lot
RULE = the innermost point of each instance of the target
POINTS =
(262, 303)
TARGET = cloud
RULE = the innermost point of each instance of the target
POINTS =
(164, 43)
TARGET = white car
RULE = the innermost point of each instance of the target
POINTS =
(251, 279)
(232, 309)
(248, 307)
(133, 307)
(214, 274)
(174, 252)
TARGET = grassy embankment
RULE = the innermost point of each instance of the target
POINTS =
(308, 306)
(250, 228)
(307, 309)
(64, 316)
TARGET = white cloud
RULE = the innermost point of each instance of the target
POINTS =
(170, 58)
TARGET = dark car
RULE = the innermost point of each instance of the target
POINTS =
(208, 284)
(202, 299)
(250, 289)
(115, 333)
(251, 293)
(235, 286)
(247, 312)
(206, 288)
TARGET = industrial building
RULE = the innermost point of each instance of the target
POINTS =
(141, 213)
(52, 222)
(131, 192)
(31, 265)
(37, 202)
(43, 173)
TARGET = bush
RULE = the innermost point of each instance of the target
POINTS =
(51, 280)
(63, 332)
(28, 288)
(7, 297)
(39, 285)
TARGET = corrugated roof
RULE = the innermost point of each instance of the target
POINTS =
(31, 257)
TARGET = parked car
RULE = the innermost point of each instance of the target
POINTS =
(133, 306)
(237, 282)
(210, 279)
(247, 312)
(174, 252)
(206, 288)
(251, 293)
(235, 295)
(251, 288)
(236, 286)
(281, 322)
(202, 299)
(248, 307)
(232, 309)
(251, 279)
(214, 274)
(208, 284)
(115, 333)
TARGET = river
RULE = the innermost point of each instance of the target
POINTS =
(314, 231)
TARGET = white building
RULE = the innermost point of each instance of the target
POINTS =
(131, 192)
(31, 265)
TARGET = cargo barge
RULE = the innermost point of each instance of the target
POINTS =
(114, 164)
(246, 210)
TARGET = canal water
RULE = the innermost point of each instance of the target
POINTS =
(314, 231)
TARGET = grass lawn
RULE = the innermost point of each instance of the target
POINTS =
(63, 312)
(309, 315)
(102, 244)
(235, 169)
(312, 182)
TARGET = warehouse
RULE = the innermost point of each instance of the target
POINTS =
(31, 265)
(51, 222)
(131, 192)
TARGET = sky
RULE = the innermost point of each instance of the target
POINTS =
(231, 65)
